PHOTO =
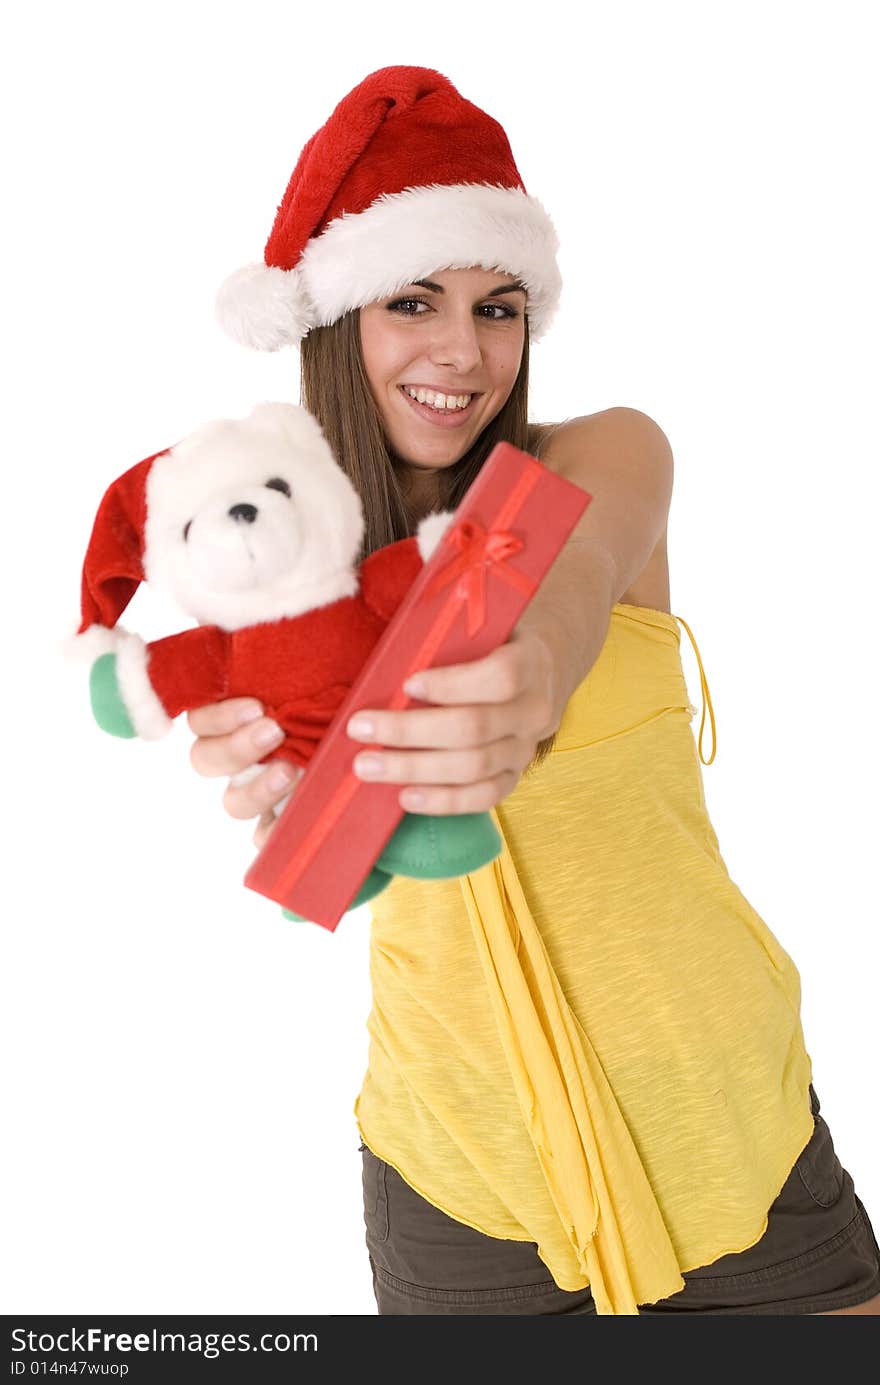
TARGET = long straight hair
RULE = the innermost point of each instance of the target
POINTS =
(335, 389)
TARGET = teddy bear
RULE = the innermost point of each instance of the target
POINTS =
(255, 530)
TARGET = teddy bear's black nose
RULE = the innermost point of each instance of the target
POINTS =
(248, 513)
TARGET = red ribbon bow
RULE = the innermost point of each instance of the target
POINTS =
(478, 548)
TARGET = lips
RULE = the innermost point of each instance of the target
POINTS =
(441, 418)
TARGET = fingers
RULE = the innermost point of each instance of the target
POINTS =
(470, 766)
(471, 781)
(263, 828)
(459, 726)
(221, 717)
(442, 799)
(217, 753)
(270, 816)
(257, 796)
(496, 678)
(232, 737)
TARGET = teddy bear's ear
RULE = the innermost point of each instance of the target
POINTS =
(290, 421)
(274, 413)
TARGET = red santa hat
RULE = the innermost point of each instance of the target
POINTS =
(112, 572)
(114, 563)
(404, 178)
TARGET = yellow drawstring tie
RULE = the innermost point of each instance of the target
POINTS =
(707, 701)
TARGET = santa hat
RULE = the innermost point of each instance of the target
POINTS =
(405, 177)
(114, 563)
(112, 572)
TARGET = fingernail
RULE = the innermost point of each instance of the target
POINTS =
(270, 734)
(415, 686)
(370, 766)
(280, 777)
(361, 728)
(249, 713)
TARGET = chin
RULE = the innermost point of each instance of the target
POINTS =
(431, 452)
(427, 464)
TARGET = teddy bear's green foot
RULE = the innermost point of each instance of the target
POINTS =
(429, 847)
(376, 881)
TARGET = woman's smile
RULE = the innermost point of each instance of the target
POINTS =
(440, 418)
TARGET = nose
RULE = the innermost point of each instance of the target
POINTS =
(456, 343)
(246, 513)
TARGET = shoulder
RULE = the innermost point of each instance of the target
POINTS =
(620, 421)
(617, 439)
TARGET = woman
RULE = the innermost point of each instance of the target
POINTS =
(588, 1089)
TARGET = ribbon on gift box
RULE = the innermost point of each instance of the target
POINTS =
(479, 548)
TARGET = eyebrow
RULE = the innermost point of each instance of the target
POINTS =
(493, 293)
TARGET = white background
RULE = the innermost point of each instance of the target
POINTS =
(181, 1062)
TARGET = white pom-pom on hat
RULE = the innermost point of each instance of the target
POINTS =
(263, 307)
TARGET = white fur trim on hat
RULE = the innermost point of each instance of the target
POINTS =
(148, 716)
(402, 236)
(93, 642)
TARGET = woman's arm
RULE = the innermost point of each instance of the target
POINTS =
(623, 458)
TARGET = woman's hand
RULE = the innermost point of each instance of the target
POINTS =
(473, 747)
(232, 736)
(464, 755)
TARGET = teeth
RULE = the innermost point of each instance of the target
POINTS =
(439, 401)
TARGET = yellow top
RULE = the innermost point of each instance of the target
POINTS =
(594, 1041)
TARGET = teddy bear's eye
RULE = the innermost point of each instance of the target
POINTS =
(186, 529)
(276, 484)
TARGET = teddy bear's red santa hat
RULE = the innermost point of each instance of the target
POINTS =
(114, 562)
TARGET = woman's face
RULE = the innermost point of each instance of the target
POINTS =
(460, 332)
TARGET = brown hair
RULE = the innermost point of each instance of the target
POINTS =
(334, 388)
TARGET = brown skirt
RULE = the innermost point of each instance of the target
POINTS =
(819, 1252)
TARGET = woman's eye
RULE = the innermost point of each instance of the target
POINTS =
(402, 303)
(186, 529)
(277, 484)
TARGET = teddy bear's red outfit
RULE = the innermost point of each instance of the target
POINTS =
(301, 668)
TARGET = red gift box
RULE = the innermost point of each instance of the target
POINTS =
(503, 538)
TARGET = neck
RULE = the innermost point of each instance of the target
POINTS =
(421, 490)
